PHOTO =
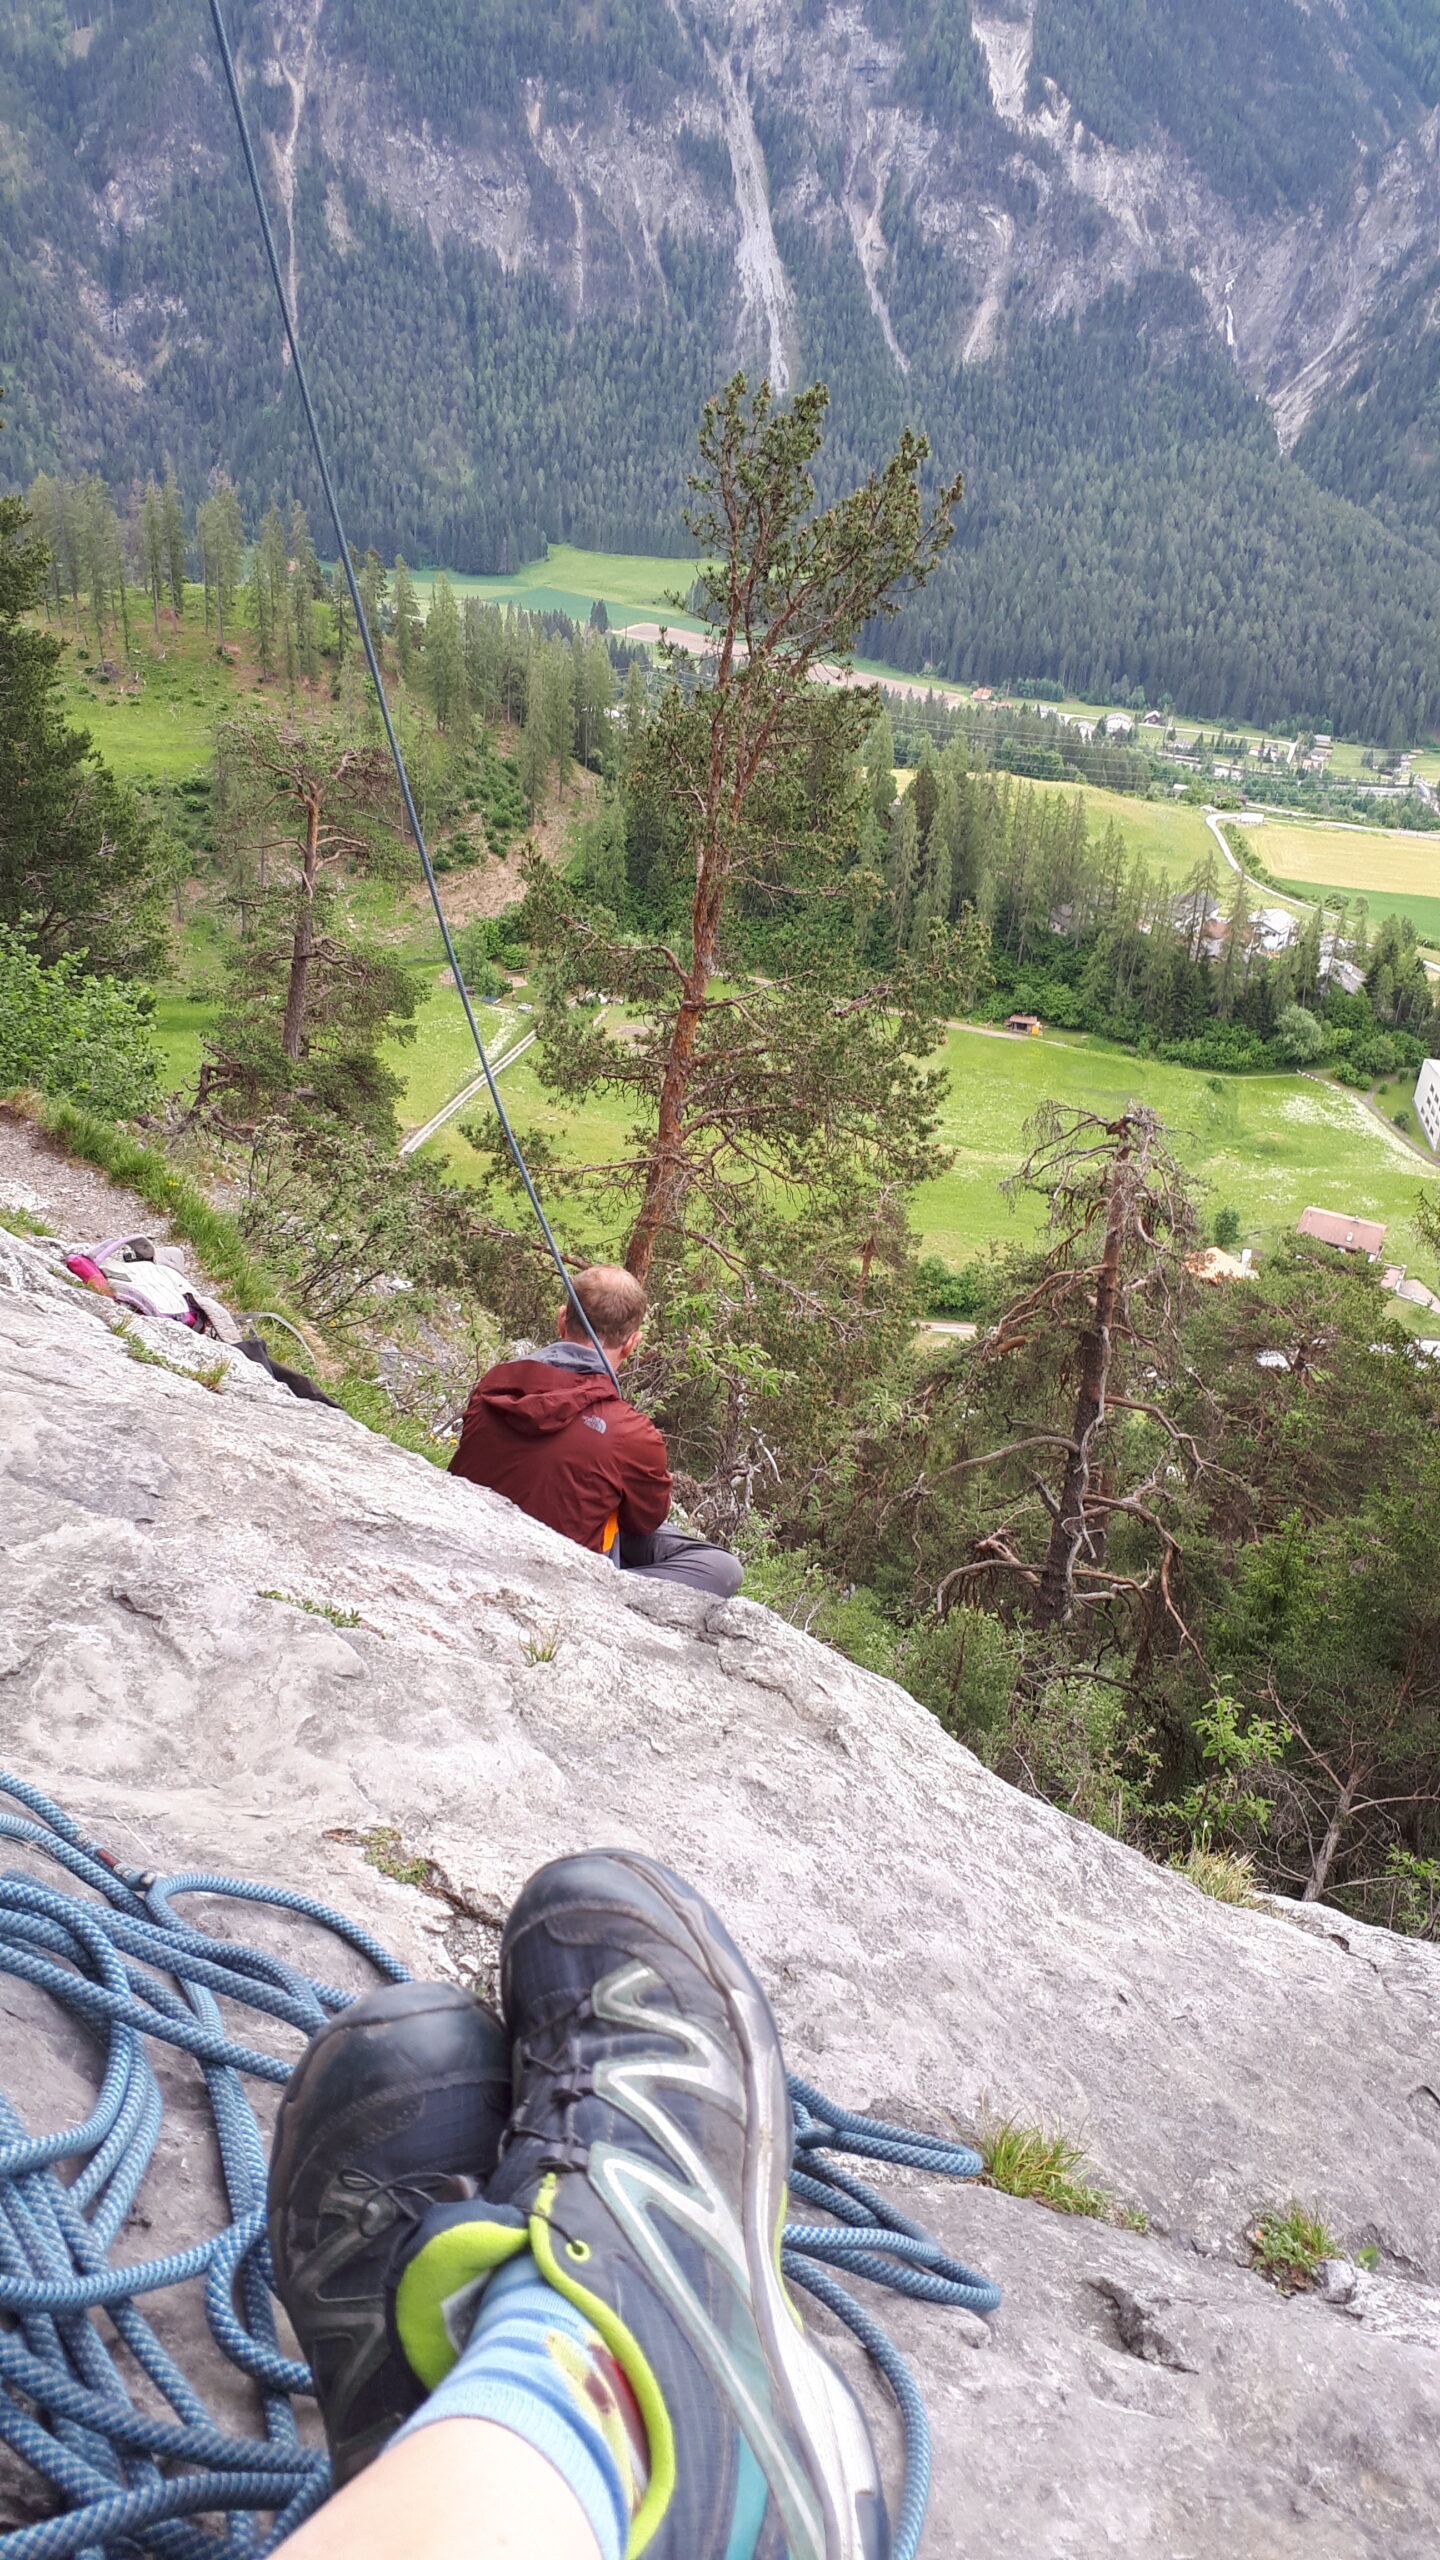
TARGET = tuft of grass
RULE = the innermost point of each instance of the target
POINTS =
(20, 1222)
(315, 1608)
(211, 1374)
(1225, 1874)
(135, 1349)
(1038, 2163)
(542, 1648)
(1289, 2247)
(381, 1846)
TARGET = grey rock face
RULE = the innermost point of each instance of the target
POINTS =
(932, 1940)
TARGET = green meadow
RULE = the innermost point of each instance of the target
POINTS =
(1267, 1146)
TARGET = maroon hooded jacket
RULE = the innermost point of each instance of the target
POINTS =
(552, 1435)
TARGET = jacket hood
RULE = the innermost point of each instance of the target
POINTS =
(537, 1397)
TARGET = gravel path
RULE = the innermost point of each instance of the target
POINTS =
(79, 1204)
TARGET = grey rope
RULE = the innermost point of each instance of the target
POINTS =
(412, 814)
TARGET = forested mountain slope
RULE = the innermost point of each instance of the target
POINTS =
(1163, 280)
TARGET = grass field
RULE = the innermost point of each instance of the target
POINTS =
(1397, 874)
(633, 587)
(165, 729)
(1268, 1146)
(442, 1056)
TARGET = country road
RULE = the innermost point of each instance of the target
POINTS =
(457, 1102)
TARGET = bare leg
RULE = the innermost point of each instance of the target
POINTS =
(461, 2489)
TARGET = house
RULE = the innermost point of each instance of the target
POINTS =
(1119, 725)
(1029, 1025)
(1153, 720)
(1272, 929)
(983, 693)
(1427, 1101)
(1348, 1235)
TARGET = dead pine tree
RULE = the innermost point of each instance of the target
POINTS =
(1071, 1366)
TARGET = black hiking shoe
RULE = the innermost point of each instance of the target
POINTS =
(398, 2105)
(647, 2157)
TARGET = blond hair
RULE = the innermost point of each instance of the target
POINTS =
(613, 1299)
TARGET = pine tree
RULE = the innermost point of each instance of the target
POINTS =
(902, 869)
(374, 588)
(879, 764)
(83, 869)
(444, 654)
(404, 614)
(152, 547)
(603, 855)
(172, 513)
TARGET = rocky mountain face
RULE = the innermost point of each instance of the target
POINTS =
(525, 242)
(935, 1944)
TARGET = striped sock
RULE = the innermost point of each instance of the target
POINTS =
(534, 2365)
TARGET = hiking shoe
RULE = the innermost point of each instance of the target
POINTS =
(396, 2107)
(647, 2155)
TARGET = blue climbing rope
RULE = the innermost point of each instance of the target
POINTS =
(345, 563)
(109, 1947)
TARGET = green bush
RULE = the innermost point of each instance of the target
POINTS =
(84, 1039)
(1301, 1039)
(1227, 1229)
(966, 1293)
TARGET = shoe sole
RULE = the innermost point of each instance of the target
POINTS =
(823, 2411)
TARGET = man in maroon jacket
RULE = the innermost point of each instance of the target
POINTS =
(555, 1438)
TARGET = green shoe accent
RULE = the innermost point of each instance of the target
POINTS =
(438, 2294)
(633, 2363)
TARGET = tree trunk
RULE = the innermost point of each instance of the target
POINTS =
(1055, 1597)
(665, 1173)
(302, 949)
(1324, 1860)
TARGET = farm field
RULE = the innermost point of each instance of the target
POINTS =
(633, 586)
(1397, 874)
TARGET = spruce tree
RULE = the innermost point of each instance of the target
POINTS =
(173, 518)
(83, 869)
(445, 655)
(404, 615)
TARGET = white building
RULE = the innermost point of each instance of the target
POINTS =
(1427, 1101)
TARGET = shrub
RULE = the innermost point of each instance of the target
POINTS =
(1300, 1038)
(84, 1039)
(1227, 1229)
(966, 1293)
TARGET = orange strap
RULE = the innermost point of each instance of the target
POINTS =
(610, 1533)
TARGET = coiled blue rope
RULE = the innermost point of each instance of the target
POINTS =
(116, 1955)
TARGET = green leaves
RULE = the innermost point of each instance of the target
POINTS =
(85, 1038)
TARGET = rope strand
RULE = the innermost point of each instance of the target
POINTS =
(412, 814)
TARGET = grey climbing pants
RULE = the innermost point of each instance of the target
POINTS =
(667, 1555)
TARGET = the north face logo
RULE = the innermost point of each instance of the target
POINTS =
(592, 1421)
